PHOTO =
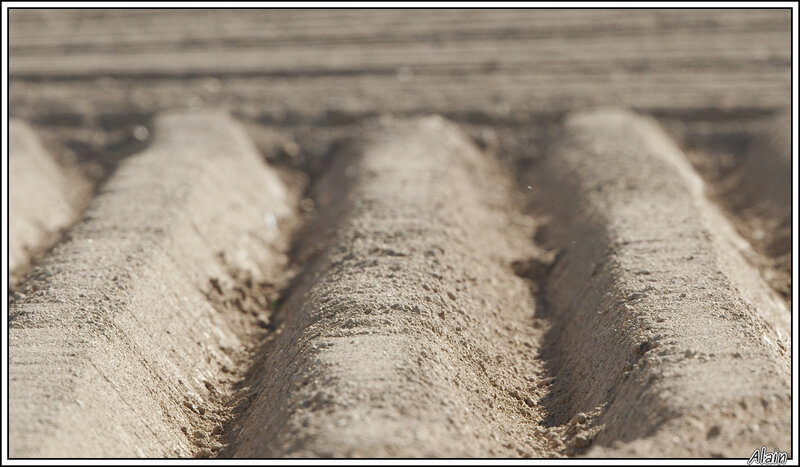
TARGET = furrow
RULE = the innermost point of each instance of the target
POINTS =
(660, 327)
(44, 198)
(115, 346)
(408, 333)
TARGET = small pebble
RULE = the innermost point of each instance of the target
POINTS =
(140, 133)
(199, 434)
(578, 418)
(290, 148)
(529, 402)
(203, 454)
(217, 430)
(451, 295)
(216, 447)
(581, 441)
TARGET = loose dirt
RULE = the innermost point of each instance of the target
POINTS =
(114, 348)
(660, 323)
(400, 233)
(747, 165)
(44, 198)
(408, 333)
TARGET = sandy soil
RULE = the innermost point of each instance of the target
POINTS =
(659, 321)
(115, 349)
(44, 198)
(400, 233)
(409, 333)
(757, 192)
